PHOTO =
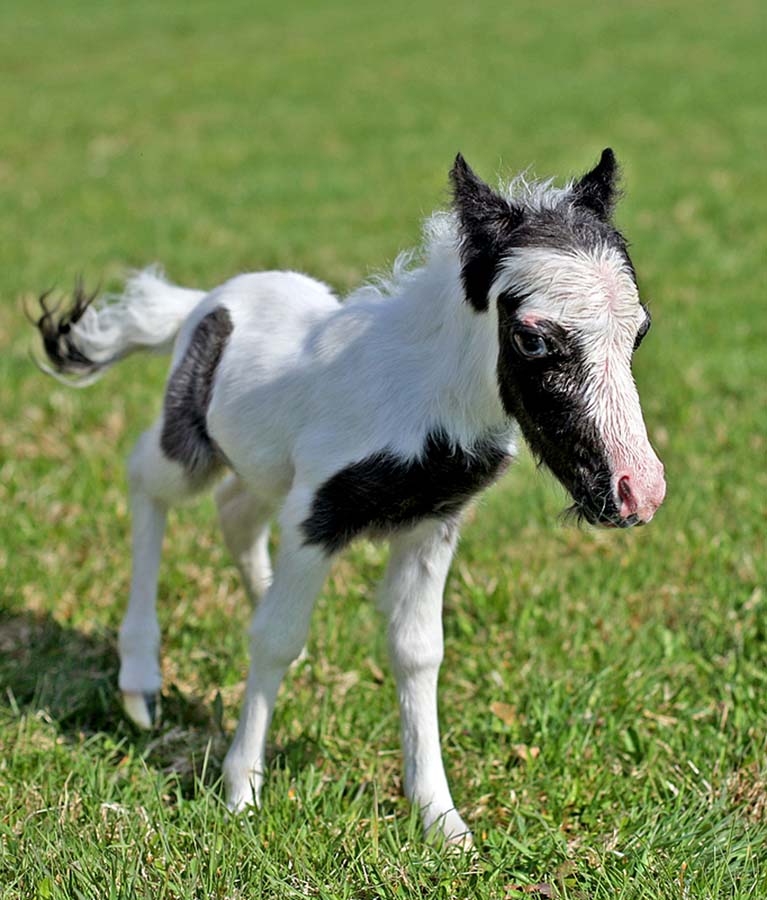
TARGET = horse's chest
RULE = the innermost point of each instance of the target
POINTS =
(382, 493)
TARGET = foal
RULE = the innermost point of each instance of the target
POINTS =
(381, 416)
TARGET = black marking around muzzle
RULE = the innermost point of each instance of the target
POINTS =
(55, 327)
(383, 493)
(185, 437)
(546, 397)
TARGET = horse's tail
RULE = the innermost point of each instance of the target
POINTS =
(86, 337)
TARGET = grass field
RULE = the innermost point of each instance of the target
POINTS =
(604, 696)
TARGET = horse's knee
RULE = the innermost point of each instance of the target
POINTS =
(275, 644)
(416, 649)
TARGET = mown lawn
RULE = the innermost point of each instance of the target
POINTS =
(604, 697)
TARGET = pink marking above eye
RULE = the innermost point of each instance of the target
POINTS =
(531, 319)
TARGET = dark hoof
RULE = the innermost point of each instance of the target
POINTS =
(142, 709)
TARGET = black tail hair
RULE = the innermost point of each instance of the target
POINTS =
(55, 327)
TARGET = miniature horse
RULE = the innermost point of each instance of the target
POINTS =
(381, 416)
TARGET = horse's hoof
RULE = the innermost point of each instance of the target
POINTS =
(142, 709)
(450, 832)
(461, 843)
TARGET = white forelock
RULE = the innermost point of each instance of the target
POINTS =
(533, 194)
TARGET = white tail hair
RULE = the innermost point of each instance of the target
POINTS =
(93, 333)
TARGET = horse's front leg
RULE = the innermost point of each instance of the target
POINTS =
(411, 598)
(277, 635)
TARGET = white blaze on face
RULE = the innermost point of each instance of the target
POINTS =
(593, 297)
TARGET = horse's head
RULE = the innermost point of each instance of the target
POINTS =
(556, 272)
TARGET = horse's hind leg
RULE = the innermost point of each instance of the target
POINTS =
(244, 518)
(156, 483)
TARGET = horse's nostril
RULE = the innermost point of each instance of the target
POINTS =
(624, 491)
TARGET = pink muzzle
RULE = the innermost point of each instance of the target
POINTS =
(640, 490)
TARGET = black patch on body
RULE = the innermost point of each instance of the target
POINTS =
(185, 437)
(546, 397)
(382, 493)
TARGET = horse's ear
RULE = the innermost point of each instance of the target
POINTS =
(487, 221)
(597, 190)
(477, 203)
(470, 193)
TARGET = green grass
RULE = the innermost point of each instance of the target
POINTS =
(604, 698)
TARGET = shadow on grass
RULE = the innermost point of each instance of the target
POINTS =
(71, 677)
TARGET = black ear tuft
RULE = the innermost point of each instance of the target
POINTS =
(460, 171)
(468, 188)
(597, 190)
(476, 201)
(487, 221)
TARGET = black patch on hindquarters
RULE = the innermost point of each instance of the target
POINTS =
(185, 437)
(382, 493)
(546, 396)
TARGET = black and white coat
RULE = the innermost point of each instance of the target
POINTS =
(379, 416)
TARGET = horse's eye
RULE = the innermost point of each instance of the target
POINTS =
(643, 329)
(530, 344)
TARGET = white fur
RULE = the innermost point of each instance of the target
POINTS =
(304, 387)
(145, 317)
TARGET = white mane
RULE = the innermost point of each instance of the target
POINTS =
(440, 236)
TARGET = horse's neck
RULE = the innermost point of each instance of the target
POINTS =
(443, 353)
